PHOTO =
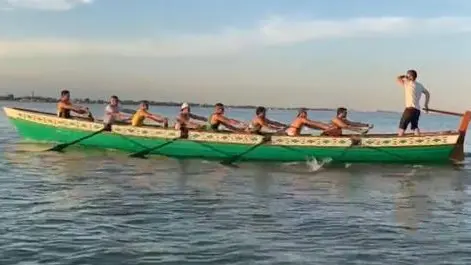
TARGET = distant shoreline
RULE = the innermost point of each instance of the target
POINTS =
(40, 99)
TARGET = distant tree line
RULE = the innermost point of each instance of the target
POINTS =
(32, 98)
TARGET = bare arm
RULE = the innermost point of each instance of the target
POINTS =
(357, 124)
(401, 80)
(427, 98)
(119, 115)
(156, 117)
(123, 116)
(75, 108)
(189, 124)
(266, 123)
(344, 125)
(235, 122)
(229, 123)
(316, 125)
(339, 123)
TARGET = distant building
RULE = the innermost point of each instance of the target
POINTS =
(8, 97)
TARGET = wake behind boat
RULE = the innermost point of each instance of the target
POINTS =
(433, 147)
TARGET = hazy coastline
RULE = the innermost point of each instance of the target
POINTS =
(129, 102)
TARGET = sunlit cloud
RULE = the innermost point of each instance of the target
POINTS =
(272, 32)
(53, 5)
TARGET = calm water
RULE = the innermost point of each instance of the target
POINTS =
(100, 207)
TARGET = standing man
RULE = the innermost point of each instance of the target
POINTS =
(413, 91)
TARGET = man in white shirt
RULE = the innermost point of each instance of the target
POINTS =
(112, 113)
(413, 91)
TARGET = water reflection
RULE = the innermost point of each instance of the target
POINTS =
(406, 205)
(263, 179)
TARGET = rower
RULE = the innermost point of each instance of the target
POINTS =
(185, 116)
(261, 121)
(340, 122)
(301, 120)
(64, 106)
(218, 118)
(113, 113)
(143, 113)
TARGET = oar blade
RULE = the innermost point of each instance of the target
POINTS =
(228, 163)
(57, 148)
(233, 159)
(141, 154)
(60, 147)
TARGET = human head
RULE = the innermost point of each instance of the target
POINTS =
(342, 112)
(261, 111)
(185, 108)
(302, 113)
(219, 108)
(144, 105)
(114, 100)
(411, 75)
(65, 95)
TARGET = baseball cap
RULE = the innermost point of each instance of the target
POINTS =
(184, 106)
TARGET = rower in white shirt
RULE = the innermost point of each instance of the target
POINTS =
(413, 91)
(113, 113)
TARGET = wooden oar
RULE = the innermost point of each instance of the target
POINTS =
(237, 157)
(444, 112)
(143, 153)
(61, 147)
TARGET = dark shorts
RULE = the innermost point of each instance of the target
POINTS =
(410, 115)
(107, 127)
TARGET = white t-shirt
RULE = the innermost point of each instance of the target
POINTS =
(413, 91)
(110, 114)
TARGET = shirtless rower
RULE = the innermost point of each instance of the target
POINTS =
(143, 113)
(185, 116)
(341, 122)
(302, 120)
(261, 121)
(217, 118)
(64, 106)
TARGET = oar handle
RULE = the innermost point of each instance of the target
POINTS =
(444, 112)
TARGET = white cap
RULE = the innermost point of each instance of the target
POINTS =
(184, 106)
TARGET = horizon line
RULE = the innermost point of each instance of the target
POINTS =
(94, 101)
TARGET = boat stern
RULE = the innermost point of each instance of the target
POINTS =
(457, 154)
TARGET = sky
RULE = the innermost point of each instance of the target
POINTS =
(312, 53)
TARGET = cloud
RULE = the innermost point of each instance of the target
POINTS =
(272, 32)
(53, 5)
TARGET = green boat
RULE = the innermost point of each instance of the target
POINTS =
(436, 147)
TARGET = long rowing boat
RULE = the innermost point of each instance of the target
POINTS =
(435, 147)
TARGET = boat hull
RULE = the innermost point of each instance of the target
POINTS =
(281, 149)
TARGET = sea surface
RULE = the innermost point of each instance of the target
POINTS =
(101, 207)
